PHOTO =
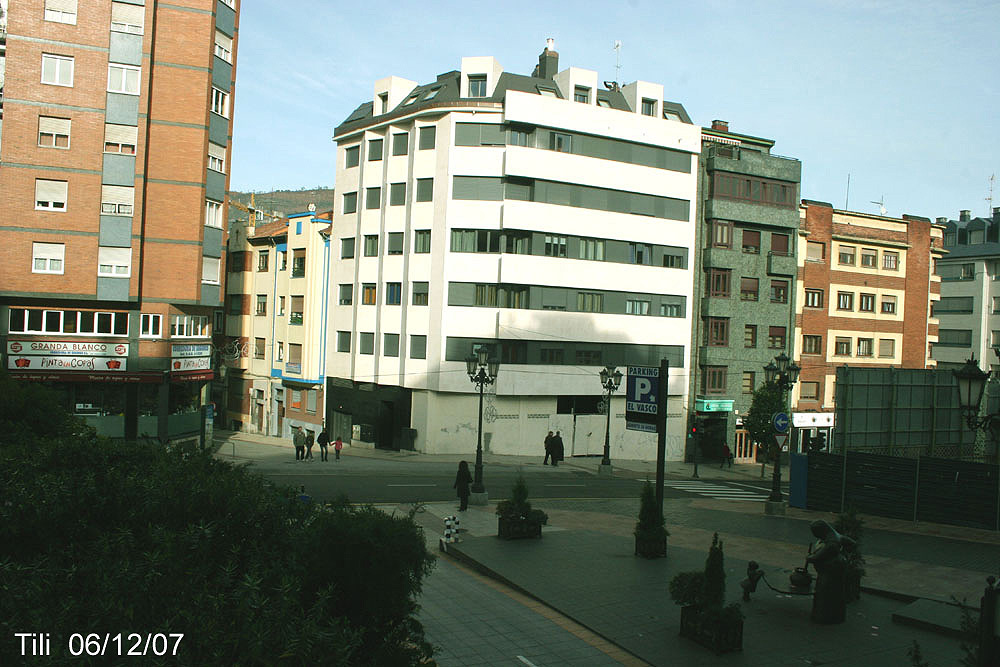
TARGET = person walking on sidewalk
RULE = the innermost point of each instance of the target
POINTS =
(323, 440)
(548, 449)
(727, 456)
(299, 440)
(309, 446)
(338, 444)
(462, 481)
(557, 449)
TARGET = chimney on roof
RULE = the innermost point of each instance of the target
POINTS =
(942, 221)
(963, 215)
(548, 61)
(720, 125)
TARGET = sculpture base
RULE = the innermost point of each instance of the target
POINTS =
(604, 470)
(774, 507)
(479, 498)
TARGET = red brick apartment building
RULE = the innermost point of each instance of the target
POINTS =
(864, 292)
(114, 156)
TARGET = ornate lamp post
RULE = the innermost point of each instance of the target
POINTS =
(784, 373)
(611, 379)
(971, 386)
(482, 371)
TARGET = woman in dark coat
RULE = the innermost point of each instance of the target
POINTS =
(462, 481)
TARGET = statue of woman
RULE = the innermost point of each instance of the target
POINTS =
(830, 598)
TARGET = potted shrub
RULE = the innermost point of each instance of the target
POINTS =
(515, 518)
(650, 531)
(705, 618)
(850, 524)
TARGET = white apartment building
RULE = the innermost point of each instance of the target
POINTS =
(542, 216)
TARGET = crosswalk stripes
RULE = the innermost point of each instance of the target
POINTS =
(718, 491)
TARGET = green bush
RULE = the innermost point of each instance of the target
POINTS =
(651, 523)
(518, 507)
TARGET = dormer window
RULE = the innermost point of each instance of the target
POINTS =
(547, 92)
(431, 94)
(477, 85)
(671, 115)
(581, 94)
(383, 103)
(603, 103)
(411, 99)
(648, 107)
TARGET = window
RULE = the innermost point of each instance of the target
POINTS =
(779, 291)
(223, 46)
(592, 249)
(846, 255)
(189, 326)
(746, 188)
(150, 325)
(220, 102)
(581, 94)
(718, 282)
(886, 348)
(281, 304)
(400, 143)
(814, 298)
(259, 348)
(393, 294)
(383, 103)
(84, 322)
(551, 355)
(347, 248)
(279, 348)
(779, 244)
(866, 347)
(955, 337)
(117, 200)
(47, 257)
(390, 345)
(411, 99)
(120, 139)
(262, 257)
(996, 304)
(590, 302)
(282, 260)
(371, 245)
(368, 294)
(294, 362)
(815, 251)
(636, 307)
(714, 380)
(640, 253)
(53, 132)
(295, 312)
(776, 338)
(350, 202)
(374, 150)
(561, 143)
(50, 195)
(751, 241)
(648, 107)
(213, 213)
(967, 272)
(717, 331)
(352, 156)
(397, 194)
(346, 294)
(477, 85)
(486, 295)
(722, 234)
(373, 197)
(583, 357)
(298, 262)
(117, 262)
(546, 92)
(750, 335)
(809, 391)
(235, 304)
(555, 246)
(890, 260)
(427, 134)
(601, 102)
(422, 241)
(842, 347)
(343, 341)
(57, 70)
(869, 258)
(425, 189)
(748, 289)
(210, 267)
(866, 303)
(366, 343)
(812, 345)
(420, 295)
(217, 158)
(261, 304)
(61, 11)
(394, 243)
(845, 300)
(418, 346)
(519, 137)
(748, 382)
(475, 240)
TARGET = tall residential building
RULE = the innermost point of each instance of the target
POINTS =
(865, 288)
(541, 216)
(276, 323)
(744, 280)
(113, 168)
(969, 309)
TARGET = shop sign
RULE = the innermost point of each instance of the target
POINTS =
(67, 347)
(190, 350)
(152, 378)
(190, 364)
(65, 363)
(193, 377)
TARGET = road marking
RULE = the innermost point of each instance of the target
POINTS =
(565, 485)
(526, 661)
(717, 491)
(411, 484)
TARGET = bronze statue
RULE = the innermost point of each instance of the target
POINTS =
(830, 598)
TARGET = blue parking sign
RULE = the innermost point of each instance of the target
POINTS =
(641, 387)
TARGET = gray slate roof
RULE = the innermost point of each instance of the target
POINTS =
(962, 249)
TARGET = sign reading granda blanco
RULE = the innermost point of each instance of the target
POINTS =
(71, 348)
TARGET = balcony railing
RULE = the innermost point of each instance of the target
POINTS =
(295, 318)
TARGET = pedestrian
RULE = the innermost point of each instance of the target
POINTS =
(299, 440)
(557, 449)
(338, 444)
(548, 449)
(323, 440)
(728, 454)
(309, 446)
(462, 481)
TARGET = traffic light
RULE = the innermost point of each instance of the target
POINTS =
(819, 443)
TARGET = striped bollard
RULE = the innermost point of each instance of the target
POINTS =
(451, 529)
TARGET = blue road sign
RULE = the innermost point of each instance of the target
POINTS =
(780, 422)
(641, 385)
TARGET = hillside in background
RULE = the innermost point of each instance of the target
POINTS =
(282, 202)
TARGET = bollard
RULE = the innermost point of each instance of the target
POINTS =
(451, 529)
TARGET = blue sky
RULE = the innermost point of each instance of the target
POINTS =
(903, 95)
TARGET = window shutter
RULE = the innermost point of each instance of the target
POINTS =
(50, 190)
(117, 194)
(120, 134)
(216, 151)
(223, 41)
(119, 256)
(129, 14)
(210, 269)
(48, 250)
(53, 125)
(492, 135)
(61, 5)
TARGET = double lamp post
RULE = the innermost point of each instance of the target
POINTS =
(783, 373)
(482, 370)
(971, 386)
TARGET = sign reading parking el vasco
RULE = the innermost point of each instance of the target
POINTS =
(641, 386)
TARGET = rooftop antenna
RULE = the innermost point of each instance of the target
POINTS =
(847, 199)
(618, 61)
(881, 205)
(989, 198)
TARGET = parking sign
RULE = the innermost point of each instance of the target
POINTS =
(641, 386)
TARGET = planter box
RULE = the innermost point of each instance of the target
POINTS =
(704, 629)
(852, 585)
(651, 547)
(515, 529)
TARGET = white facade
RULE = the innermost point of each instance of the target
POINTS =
(526, 304)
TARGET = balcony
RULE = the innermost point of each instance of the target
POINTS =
(781, 265)
(719, 258)
(295, 318)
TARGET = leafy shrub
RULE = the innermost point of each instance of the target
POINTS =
(651, 523)
(518, 507)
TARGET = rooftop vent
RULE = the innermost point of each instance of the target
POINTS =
(548, 61)
(720, 125)
(964, 215)
(942, 221)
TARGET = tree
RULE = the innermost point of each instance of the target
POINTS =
(767, 400)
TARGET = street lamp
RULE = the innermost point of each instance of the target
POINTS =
(611, 379)
(971, 385)
(482, 371)
(783, 373)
